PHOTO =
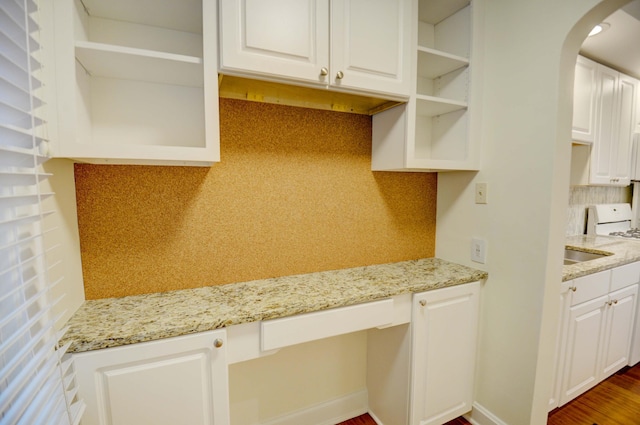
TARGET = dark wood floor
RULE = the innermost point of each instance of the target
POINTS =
(616, 401)
(367, 420)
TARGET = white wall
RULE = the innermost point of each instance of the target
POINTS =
(527, 57)
(65, 260)
(298, 378)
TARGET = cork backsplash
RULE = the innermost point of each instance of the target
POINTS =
(293, 193)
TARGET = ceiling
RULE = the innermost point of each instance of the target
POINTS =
(618, 47)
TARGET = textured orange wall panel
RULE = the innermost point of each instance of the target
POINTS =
(293, 193)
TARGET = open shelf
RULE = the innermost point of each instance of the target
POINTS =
(104, 60)
(434, 63)
(139, 78)
(430, 106)
(432, 131)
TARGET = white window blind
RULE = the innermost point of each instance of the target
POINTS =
(37, 385)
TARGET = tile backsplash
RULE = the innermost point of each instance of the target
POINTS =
(580, 197)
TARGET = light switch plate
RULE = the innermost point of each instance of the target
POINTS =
(481, 193)
(478, 250)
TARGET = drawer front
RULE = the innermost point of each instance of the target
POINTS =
(624, 276)
(301, 328)
(591, 286)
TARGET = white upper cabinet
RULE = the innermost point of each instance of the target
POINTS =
(370, 45)
(584, 100)
(286, 39)
(136, 81)
(615, 124)
(351, 45)
(432, 131)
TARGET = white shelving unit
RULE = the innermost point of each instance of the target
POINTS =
(136, 81)
(431, 131)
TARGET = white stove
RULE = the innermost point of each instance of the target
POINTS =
(611, 220)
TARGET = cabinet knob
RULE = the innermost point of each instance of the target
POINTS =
(609, 303)
(423, 302)
(573, 288)
(339, 75)
(218, 343)
(324, 71)
(615, 301)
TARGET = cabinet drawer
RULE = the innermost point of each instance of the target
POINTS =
(301, 328)
(624, 276)
(590, 287)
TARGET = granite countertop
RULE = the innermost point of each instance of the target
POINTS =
(623, 251)
(113, 322)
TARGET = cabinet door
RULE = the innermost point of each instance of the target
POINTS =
(601, 152)
(584, 338)
(276, 39)
(444, 333)
(584, 100)
(370, 45)
(621, 313)
(179, 380)
(626, 110)
(566, 292)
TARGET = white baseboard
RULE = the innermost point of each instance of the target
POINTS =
(482, 416)
(326, 413)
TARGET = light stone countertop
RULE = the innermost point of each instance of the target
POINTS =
(624, 251)
(114, 322)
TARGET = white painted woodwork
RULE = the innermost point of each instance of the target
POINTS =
(301, 328)
(293, 41)
(444, 336)
(603, 147)
(596, 328)
(370, 45)
(279, 39)
(566, 293)
(420, 363)
(170, 381)
(584, 335)
(388, 374)
(136, 87)
(584, 100)
(625, 275)
(626, 107)
(245, 339)
(591, 286)
(637, 117)
(431, 131)
(615, 124)
(620, 322)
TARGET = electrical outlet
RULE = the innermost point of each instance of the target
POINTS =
(481, 193)
(478, 250)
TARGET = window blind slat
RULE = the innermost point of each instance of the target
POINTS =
(15, 95)
(21, 179)
(12, 28)
(21, 391)
(16, 397)
(21, 220)
(12, 115)
(36, 384)
(21, 200)
(18, 137)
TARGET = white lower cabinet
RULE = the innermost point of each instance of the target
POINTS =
(596, 329)
(420, 363)
(180, 380)
(621, 313)
(444, 336)
(586, 327)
